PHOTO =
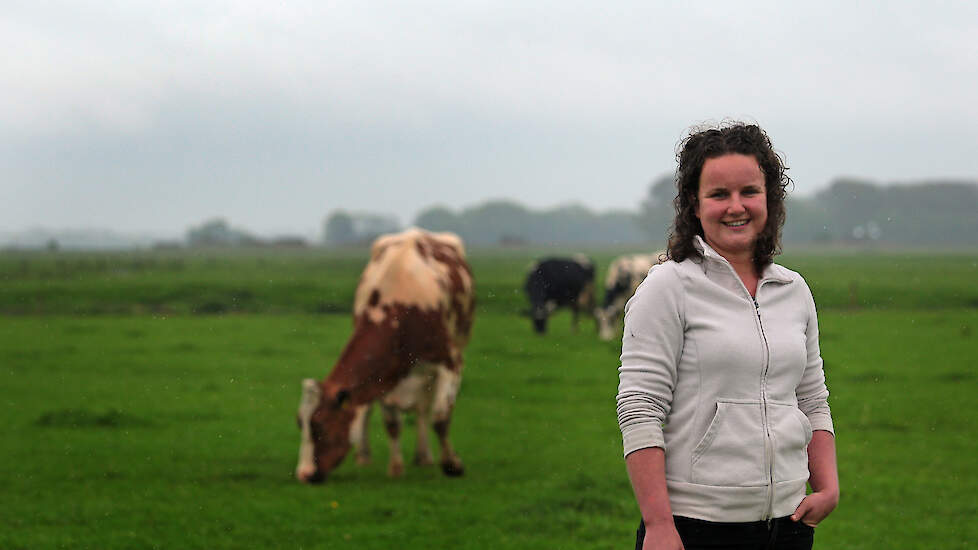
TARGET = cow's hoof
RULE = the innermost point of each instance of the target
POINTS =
(395, 469)
(452, 468)
(423, 460)
(363, 460)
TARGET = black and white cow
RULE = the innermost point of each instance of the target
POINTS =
(624, 275)
(559, 282)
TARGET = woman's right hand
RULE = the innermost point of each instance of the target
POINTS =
(662, 536)
(647, 471)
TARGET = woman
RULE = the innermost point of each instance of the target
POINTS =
(722, 400)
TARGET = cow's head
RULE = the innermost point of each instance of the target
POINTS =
(607, 314)
(539, 312)
(324, 417)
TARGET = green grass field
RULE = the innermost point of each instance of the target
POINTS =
(149, 402)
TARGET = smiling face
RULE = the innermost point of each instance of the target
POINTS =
(732, 205)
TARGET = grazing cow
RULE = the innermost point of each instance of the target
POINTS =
(412, 316)
(624, 275)
(558, 282)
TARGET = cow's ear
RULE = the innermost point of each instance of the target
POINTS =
(342, 399)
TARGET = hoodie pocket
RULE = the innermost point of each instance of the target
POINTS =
(731, 453)
(791, 431)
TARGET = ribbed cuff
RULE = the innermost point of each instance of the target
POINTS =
(642, 437)
(821, 421)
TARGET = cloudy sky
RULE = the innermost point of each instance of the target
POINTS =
(154, 116)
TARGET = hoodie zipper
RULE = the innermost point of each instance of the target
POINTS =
(768, 441)
(768, 450)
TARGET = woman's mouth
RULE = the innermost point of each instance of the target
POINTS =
(738, 223)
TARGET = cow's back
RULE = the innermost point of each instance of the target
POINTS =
(559, 279)
(418, 278)
(630, 270)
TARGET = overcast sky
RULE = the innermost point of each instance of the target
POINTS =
(154, 116)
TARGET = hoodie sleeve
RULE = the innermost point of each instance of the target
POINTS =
(650, 351)
(811, 392)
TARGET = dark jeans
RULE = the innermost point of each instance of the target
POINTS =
(780, 534)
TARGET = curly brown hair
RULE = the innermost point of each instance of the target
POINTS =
(693, 152)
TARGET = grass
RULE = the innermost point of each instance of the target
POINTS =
(174, 430)
(321, 281)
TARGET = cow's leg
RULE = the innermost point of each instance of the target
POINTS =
(392, 421)
(358, 434)
(422, 452)
(539, 315)
(606, 324)
(574, 317)
(446, 388)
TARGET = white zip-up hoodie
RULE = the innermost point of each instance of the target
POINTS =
(729, 385)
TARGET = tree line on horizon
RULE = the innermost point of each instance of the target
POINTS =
(847, 211)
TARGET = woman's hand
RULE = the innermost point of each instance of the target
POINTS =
(662, 536)
(815, 507)
(647, 471)
(824, 480)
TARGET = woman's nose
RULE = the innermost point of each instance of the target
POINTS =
(736, 205)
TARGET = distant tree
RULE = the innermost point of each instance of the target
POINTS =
(807, 220)
(338, 228)
(490, 221)
(343, 227)
(369, 226)
(852, 205)
(510, 223)
(932, 212)
(851, 210)
(217, 232)
(437, 218)
(661, 192)
(656, 212)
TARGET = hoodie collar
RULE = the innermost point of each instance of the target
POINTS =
(772, 272)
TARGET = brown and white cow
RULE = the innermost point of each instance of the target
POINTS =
(624, 275)
(412, 317)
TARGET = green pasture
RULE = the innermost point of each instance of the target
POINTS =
(317, 281)
(136, 417)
